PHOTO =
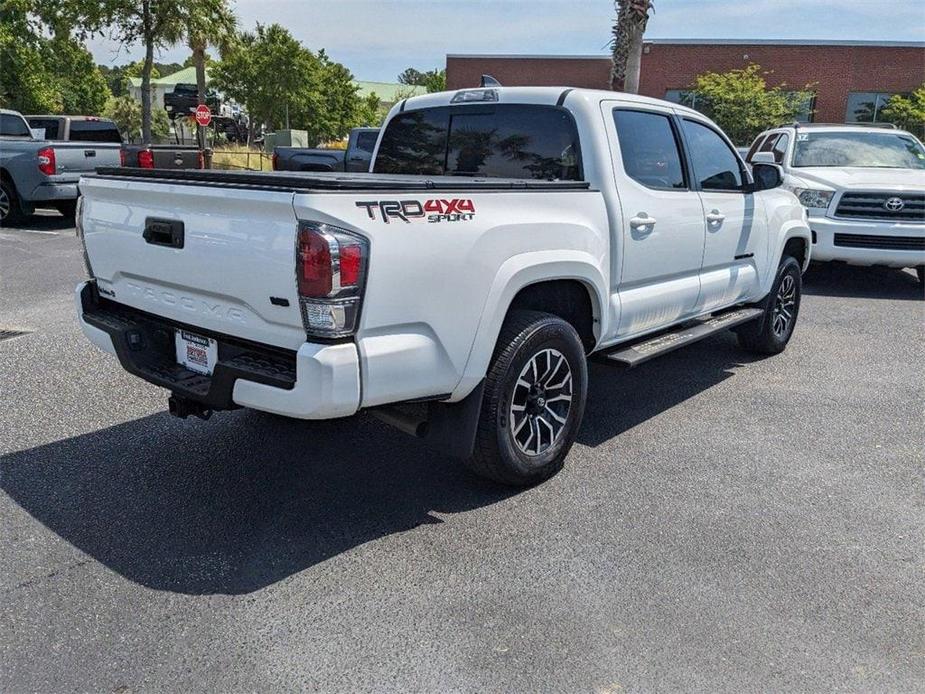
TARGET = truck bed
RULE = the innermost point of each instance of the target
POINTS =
(306, 181)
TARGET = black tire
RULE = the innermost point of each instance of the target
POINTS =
(530, 340)
(920, 273)
(67, 208)
(10, 210)
(771, 333)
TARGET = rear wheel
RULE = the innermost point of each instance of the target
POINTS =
(920, 273)
(533, 401)
(771, 333)
(10, 212)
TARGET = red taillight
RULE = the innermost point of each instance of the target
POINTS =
(200, 162)
(316, 276)
(47, 164)
(121, 157)
(146, 159)
(273, 160)
(331, 268)
(351, 258)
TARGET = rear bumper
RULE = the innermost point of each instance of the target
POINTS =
(52, 192)
(867, 243)
(316, 382)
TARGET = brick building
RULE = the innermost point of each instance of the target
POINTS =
(851, 80)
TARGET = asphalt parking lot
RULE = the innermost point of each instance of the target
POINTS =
(723, 524)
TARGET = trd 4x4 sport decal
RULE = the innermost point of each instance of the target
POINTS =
(455, 210)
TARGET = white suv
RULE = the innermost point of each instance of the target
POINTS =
(863, 188)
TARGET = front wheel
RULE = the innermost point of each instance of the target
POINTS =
(771, 333)
(533, 401)
(920, 273)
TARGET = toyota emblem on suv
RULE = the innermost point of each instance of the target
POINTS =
(894, 204)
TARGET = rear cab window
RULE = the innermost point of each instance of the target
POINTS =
(497, 141)
(366, 141)
(51, 126)
(94, 131)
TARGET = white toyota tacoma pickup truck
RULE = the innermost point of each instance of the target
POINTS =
(863, 188)
(502, 237)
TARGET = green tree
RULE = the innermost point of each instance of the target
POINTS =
(433, 80)
(271, 74)
(206, 22)
(45, 67)
(743, 105)
(906, 111)
(81, 86)
(154, 23)
(126, 113)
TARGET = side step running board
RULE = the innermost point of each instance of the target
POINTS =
(640, 352)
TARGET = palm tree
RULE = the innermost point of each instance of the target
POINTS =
(626, 44)
(207, 22)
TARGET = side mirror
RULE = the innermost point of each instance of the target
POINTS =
(763, 158)
(766, 176)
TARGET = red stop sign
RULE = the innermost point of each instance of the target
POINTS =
(203, 115)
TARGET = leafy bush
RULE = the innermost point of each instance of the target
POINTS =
(907, 112)
(743, 105)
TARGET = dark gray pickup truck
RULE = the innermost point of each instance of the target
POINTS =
(356, 157)
(38, 172)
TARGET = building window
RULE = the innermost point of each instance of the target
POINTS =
(865, 107)
(807, 107)
(685, 97)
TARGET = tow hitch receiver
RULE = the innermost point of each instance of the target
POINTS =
(183, 408)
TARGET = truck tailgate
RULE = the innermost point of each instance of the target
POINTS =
(75, 158)
(233, 271)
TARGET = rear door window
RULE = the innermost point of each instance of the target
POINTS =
(94, 131)
(649, 149)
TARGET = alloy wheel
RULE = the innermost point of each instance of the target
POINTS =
(784, 307)
(541, 402)
(4, 204)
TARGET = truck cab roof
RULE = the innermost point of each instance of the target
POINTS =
(553, 96)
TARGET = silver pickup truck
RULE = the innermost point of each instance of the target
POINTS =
(40, 173)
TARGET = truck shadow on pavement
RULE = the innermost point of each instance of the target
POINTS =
(237, 503)
(838, 279)
(242, 501)
(620, 399)
(43, 220)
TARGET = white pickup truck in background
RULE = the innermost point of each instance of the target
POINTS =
(503, 236)
(863, 187)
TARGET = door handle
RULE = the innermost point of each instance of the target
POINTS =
(642, 220)
(715, 217)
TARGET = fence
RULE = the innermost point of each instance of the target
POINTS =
(241, 158)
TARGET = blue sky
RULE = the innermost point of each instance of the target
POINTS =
(377, 39)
